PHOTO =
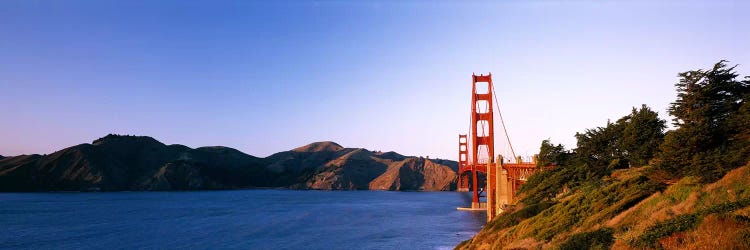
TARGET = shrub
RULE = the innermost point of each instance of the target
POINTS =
(599, 239)
(516, 217)
(685, 222)
(665, 228)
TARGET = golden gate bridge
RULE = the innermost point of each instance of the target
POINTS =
(493, 178)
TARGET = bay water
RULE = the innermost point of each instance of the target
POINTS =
(238, 219)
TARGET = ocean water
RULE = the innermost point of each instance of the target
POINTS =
(240, 219)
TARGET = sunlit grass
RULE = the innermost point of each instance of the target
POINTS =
(636, 211)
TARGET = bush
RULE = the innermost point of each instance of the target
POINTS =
(665, 228)
(599, 239)
(516, 217)
(684, 222)
(744, 238)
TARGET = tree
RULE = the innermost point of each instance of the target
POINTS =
(549, 154)
(599, 148)
(633, 138)
(642, 134)
(710, 121)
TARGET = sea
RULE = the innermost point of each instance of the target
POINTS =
(237, 219)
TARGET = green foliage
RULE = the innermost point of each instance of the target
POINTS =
(632, 140)
(642, 134)
(551, 154)
(545, 185)
(712, 115)
(599, 239)
(685, 222)
(725, 207)
(599, 146)
(593, 203)
(515, 217)
(665, 228)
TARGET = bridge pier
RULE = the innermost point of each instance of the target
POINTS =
(504, 195)
(498, 197)
(475, 197)
(491, 188)
(463, 183)
(507, 180)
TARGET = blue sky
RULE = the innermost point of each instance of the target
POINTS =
(264, 77)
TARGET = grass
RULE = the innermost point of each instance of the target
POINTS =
(627, 210)
(716, 231)
(598, 239)
(676, 200)
(719, 204)
(665, 228)
(590, 206)
(516, 217)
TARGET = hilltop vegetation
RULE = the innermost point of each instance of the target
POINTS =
(630, 185)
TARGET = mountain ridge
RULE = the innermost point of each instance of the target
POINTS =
(139, 163)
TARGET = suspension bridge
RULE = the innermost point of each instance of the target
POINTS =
(496, 179)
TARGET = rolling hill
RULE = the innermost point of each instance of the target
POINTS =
(119, 163)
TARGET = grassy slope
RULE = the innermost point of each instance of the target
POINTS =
(628, 210)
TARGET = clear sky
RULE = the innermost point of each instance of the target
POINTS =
(265, 77)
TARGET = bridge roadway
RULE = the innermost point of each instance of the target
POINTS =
(501, 185)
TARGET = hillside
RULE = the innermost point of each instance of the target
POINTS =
(692, 193)
(413, 174)
(631, 210)
(116, 162)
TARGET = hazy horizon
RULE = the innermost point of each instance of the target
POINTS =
(391, 76)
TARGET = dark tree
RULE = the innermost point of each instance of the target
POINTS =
(642, 134)
(551, 154)
(599, 148)
(710, 121)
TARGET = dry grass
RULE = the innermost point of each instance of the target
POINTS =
(678, 199)
(687, 205)
(734, 186)
(620, 244)
(744, 212)
(618, 219)
(674, 241)
(685, 197)
(622, 174)
(527, 243)
(715, 232)
(491, 240)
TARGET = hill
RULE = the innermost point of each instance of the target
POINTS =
(116, 162)
(692, 193)
(631, 210)
(414, 174)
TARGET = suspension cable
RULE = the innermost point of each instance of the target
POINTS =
(503, 123)
(469, 144)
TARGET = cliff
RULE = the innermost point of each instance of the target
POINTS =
(116, 162)
(415, 174)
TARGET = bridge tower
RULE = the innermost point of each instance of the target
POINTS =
(501, 179)
(463, 163)
(482, 132)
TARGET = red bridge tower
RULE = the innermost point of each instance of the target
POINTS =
(463, 163)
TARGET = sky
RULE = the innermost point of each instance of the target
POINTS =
(264, 77)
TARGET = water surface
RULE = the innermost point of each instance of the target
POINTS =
(241, 219)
